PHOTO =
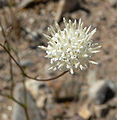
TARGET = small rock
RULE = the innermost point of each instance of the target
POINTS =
(101, 110)
(26, 63)
(113, 3)
(35, 41)
(77, 117)
(84, 112)
(91, 77)
(41, 92)
(102, 91)
(4, 116)
(27, 3)
(64, 6)
(1, 65)
(112, 118)
(0, 29)
(68, 90)
(32, 86)
(18, 111)
(31, 20)
(1, 98)
(9, 108)
(7, 78)
(33, 37)
(67, 6)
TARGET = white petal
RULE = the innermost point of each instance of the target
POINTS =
(88, 29)
(47, 36)
(81, 67)
(96, 51)
(76, 65)
(93, 62)
(42, 47)
(71, 71)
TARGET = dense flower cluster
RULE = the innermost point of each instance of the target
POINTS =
(72, 47)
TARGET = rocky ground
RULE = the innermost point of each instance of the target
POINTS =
(90, 93)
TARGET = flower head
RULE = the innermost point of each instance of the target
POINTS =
(72, 47)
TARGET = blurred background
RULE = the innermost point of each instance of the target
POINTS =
(86, 95)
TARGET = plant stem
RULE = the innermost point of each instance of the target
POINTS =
(16, 101)
(23, 72)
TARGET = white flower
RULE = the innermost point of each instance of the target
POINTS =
(72, 47)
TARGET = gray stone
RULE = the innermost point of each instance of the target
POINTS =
(18, 111)
(69, 90)
(102, 91)
(1, 65)
(112, 118)
(25, 3)
(42, 93)
(101, 111)
(91, 77)
(77, 117)
(113, 3)
(7, 78)
(26, 63)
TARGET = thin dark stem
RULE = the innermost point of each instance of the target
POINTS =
(7, 47)
(20, 67)
(12, 98)
(21, 104)
(23, 72)
(8, 31)
(11, 76)
(47, 79)
(10, 60)
(26, 113)
(16, 53)
(25, 93)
